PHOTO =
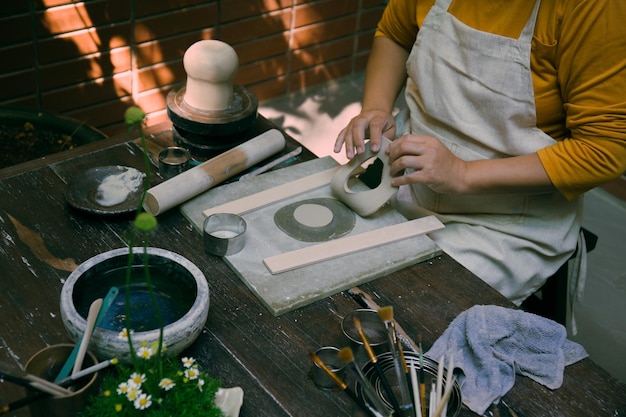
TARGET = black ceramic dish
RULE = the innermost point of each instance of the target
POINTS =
(82, 191)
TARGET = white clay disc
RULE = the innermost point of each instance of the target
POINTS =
(313, 215)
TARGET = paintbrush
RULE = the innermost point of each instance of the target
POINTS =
(386, 314)
(31, 381)
(341, 384)
(21, 402)
(407, 375)
(366, 300)
(347, 356)
(64, 383)
(19, 376)
(421, 378)
(377, 368)
(87, 371)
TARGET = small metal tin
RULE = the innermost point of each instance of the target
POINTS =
(329, 356)
(224, 234)
(372, 326)
(172, 161)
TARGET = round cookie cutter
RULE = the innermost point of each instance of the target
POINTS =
(173, 160)
(372, 325)
(224, 234)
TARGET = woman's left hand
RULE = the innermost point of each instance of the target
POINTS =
(430, 162)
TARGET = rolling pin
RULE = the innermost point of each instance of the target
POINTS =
(200, 178)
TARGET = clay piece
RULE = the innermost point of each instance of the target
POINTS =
(315, 220)
(364, 201)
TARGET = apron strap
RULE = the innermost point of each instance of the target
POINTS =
(529, 29)
(576, 277)
(443, 4)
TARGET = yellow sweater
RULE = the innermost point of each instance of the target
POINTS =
(578, 64)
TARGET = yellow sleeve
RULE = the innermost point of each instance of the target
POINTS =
(591, 63)
(579, 76)
(399, 22)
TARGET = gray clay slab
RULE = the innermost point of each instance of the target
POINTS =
(290, 290)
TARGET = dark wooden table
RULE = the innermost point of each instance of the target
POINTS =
(243, 344)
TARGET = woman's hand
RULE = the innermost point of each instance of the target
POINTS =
(430, 161)
(378, 122)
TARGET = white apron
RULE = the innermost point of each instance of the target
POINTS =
(473, 91)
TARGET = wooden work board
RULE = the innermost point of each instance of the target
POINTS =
(285, 291)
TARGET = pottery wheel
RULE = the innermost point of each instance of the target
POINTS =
(315, 220)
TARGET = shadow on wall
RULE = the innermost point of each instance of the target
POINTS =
(94, 53)
(117, 62)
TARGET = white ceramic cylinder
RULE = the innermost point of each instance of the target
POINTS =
(211, 66)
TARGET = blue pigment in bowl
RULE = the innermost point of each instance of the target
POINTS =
(174, 289)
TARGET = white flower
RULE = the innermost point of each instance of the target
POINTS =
(133, 393)
(200, 384)
(192, 373)
(188, 362)
(143, 401)
(167, 384)
(123, 388)
(124, 334)
(144, 352)
(137, 379)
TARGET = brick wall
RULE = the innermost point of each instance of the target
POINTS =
(92, 59)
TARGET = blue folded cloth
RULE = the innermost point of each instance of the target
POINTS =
(490, 344)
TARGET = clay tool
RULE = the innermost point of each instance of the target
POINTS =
(439, 386)
(272, 164)
(449, 385)
(443, 402)
(347, 356)
(386, 315)
(69, 363)
(208, 174)
(421, 377)
(94, 309)
(432, 403)
(341, 384)
(377, 368)
(416, 393)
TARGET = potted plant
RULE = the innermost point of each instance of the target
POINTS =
(27, 134)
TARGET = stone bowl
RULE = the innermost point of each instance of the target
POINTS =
(180, 288)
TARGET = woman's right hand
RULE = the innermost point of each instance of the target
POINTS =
(352, 137)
